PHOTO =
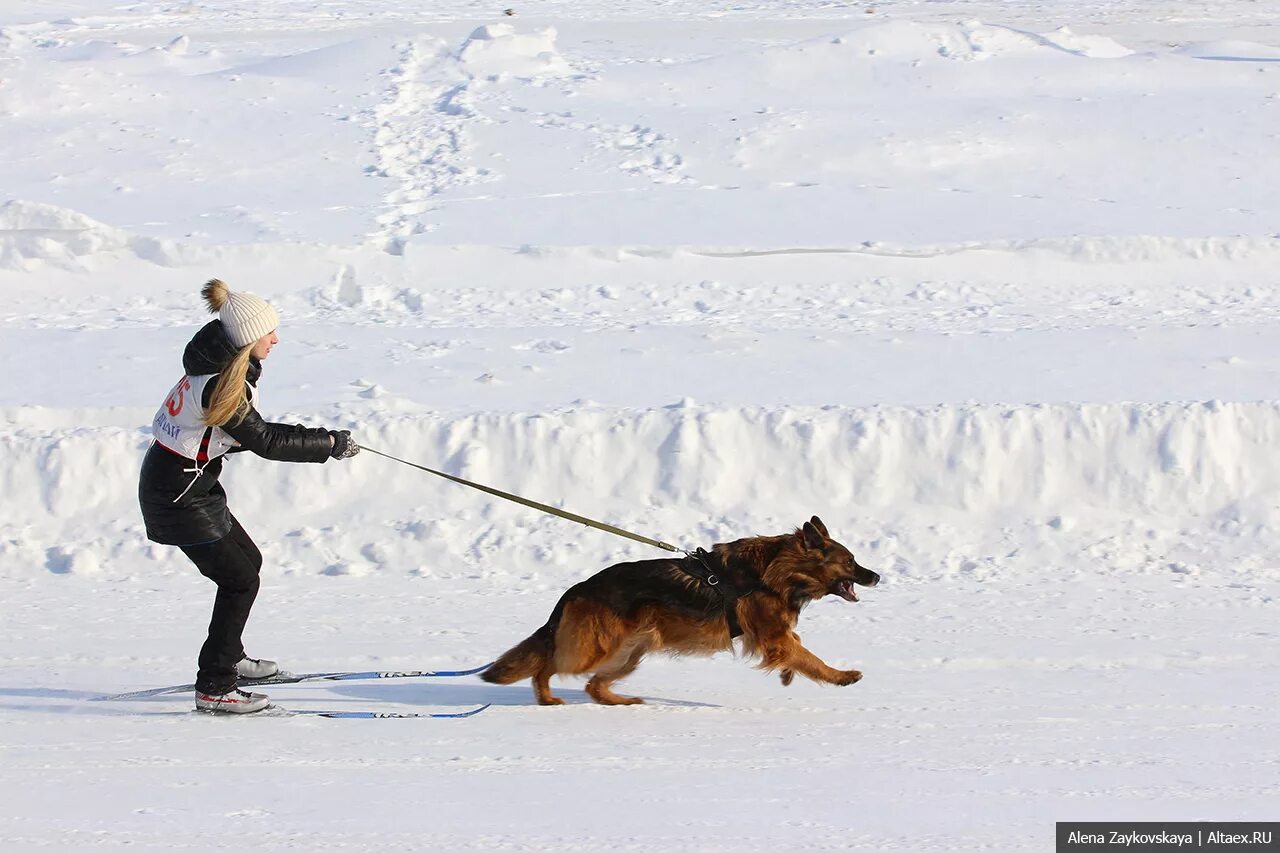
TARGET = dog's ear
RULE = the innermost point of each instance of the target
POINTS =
(812, 538)
(822, 528)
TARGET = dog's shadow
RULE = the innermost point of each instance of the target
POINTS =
(454, 694)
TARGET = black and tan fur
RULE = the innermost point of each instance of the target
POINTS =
(605, 625)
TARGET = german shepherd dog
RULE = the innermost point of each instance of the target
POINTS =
(607, 623)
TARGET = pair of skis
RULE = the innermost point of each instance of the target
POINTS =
(292, 678)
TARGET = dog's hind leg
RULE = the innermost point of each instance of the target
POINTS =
(581, 640)
(542, 685)
(598, 686)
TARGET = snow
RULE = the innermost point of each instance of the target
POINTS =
(989, 287)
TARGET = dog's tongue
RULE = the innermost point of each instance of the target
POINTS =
(845, 590)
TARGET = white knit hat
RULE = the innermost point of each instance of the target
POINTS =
(245, 317)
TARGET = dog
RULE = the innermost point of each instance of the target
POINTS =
(605, 625)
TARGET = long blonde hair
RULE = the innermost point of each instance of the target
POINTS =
(230, 401)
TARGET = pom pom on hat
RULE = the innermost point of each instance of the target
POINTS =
(245, 317)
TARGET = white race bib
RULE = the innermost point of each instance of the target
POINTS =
(179, 422)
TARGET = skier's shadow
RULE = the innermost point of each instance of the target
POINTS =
(363, 696)
(54, 700)
(47, 693)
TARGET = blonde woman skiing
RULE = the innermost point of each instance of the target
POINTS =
(211, 412)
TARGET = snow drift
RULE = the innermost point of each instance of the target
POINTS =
(31, 231)
(725, 472)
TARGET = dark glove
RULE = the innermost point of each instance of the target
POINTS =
(344, 446)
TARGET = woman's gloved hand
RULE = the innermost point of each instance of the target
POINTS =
(344, 446)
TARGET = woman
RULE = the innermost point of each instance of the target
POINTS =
(209, 413)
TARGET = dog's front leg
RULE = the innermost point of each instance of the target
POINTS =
(788, 655)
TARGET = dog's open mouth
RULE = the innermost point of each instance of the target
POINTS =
(844, 589)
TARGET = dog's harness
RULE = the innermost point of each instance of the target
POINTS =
(698, 564)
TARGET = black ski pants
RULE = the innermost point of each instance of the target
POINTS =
(233, 563)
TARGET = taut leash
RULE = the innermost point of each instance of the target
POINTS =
(581, 519)
(697, 563)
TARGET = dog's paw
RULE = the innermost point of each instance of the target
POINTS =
(551, 700)
(786, 677)
(850, 676)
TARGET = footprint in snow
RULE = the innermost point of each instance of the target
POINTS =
(544, 346)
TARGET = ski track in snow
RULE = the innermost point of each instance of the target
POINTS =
(990, 287)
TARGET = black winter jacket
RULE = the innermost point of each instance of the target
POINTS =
(201, 515)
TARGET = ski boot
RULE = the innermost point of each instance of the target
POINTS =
(253, 668)
(234, 701)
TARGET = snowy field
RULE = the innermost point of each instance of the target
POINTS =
(992, 288)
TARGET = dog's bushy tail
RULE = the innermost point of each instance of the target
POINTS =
(523, 661)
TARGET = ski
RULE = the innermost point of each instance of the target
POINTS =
(274, 710)
(292, 678)
(383, 715)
